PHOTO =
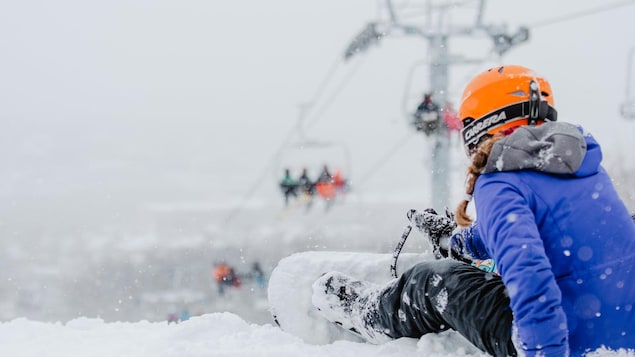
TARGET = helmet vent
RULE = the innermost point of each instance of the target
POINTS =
(544, 94)
(519, 93)
(500, 70)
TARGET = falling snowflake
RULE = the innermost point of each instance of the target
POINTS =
(436, 279)
(441, 300)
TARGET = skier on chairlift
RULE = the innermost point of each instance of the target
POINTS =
(451, 118)
(325, 186)
(341, 184)
(426, 118)
(307, 187)
(288, 186)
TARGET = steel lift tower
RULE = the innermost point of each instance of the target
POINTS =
(440, 60)
(628, 106)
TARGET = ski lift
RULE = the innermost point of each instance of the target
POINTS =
(426, 121)
(314, 155)
(627, 109)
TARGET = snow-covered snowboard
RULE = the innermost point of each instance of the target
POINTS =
(290, 288)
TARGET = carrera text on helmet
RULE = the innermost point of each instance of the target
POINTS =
(485, 124)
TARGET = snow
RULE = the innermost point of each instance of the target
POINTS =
(218, 334)
(225, 334)
(210, 335)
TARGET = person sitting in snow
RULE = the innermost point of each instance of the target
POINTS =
(562, 240)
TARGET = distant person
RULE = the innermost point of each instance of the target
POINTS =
(325, 175)
(325, 186)
(451, 118)
(223, 277)
(234, 278)
(173, 318)
(427, 105)
(288, 186)
(185, 314)
(341, 184)
(307, 186)
(258, 275)
(426, 117)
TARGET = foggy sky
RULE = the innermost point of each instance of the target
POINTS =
(109, 105)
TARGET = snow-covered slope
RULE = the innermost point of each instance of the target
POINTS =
(211, 335)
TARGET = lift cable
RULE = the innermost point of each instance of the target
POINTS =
(420, 12)
(287, 140)
(335, 94)
(325, 81)
(580, 14)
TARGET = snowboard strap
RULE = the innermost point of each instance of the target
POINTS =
(395, 254)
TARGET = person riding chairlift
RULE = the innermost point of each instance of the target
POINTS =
(288, 186)
(325, 185)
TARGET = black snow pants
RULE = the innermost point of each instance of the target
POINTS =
(435, 296)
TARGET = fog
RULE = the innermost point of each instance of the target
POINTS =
(142, 141)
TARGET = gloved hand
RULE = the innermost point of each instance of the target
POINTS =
(457, 246)
(446, 240)
(436, 227)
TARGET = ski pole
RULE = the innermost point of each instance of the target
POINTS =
(395, 254)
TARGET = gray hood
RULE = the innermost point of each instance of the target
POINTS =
(553, 147)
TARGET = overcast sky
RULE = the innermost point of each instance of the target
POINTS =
(194, 98)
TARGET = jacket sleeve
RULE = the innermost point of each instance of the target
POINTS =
(474, 245)
(507, 227)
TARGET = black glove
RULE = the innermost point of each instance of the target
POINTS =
(437, 227)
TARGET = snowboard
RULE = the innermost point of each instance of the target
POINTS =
(289, 290)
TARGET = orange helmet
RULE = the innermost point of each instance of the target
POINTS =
(502, 98)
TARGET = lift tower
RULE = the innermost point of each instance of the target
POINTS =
(628, 106)
(438, 36)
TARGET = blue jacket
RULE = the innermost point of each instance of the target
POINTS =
(564, 244)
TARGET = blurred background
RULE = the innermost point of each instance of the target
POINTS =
(142, 143)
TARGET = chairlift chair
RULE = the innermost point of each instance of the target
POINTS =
(314, 155)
